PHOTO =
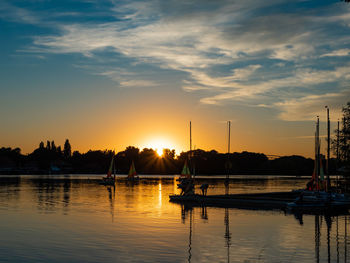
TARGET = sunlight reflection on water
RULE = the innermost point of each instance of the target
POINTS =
(74, 219)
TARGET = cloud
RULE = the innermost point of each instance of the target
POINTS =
(306, 137)
(190, 88)
(308, 107)
(215, 100)
(244, 73)
(16, 14)
(305, 80)
(127, 79)
(182, 41)
(250, 51)
(337, 53)
(138, 83)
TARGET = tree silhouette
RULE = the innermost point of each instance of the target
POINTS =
(53, 146)
(41, 145)
(67, 150)
(132, 153)
(48, 145)
(147, 161)
(344, 137)
(169, 154)
(59, 150)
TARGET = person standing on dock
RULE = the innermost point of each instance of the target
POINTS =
(204, 188)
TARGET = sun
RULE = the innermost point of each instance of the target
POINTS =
(160, 151)
(159, 144)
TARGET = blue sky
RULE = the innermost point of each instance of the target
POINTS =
(248, 61)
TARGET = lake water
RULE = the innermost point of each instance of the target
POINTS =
(74, 219)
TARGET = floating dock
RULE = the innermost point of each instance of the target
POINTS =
(275, 200)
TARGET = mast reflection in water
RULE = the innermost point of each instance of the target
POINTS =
(74, 219)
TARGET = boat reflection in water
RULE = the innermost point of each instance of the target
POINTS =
(74, 219)
(329, 236)
(111, 198)
(323, 226)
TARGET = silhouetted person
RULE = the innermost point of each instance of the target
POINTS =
(186, 185)
(204, 188)
(309, 185)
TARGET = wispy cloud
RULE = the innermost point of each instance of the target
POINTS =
(337, 53)
(300, 79)
(17, 14)
(228, 50)
(308, 107)
(306, 137)
(138, 83)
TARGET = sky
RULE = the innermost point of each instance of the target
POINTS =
(108, 74)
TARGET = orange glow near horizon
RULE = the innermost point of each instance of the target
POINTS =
(159, 144)
(169, 129)
(175, 135)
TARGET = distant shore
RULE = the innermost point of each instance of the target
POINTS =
(52, 159)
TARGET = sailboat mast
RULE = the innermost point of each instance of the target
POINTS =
(229, 137)
(317, 150)
(328, 149)
(190, 137)
(114, 166)
(190, 156)
(338, 143)
(337, 163)
(227, 181)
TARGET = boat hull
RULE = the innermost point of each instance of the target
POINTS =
(317, 208)
(318, 201)
(277, 200)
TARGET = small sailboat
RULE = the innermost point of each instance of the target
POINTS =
(109, 179)
(132, 175)
(185, 171)
(186, 179)
(316, 196)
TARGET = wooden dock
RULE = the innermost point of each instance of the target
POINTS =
(275, 200)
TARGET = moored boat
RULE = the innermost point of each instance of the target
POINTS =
(318, 196)
(132, 175)
(318, 201)
(186, 180)
(109, 179)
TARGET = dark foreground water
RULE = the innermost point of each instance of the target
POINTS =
(74, 219)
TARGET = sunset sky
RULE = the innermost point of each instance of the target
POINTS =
(108, 74)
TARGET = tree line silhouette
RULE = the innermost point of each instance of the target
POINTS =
(341, 141)
(50, 158)
(53, 159)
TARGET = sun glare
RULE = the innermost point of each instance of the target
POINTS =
(159, 144)
(160, 152)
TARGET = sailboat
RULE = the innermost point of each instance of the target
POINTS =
(316, 196)
(186, 173)
(109, 179)
(132, 175)
(186, 180)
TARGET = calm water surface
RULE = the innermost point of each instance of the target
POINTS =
(74, 219)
